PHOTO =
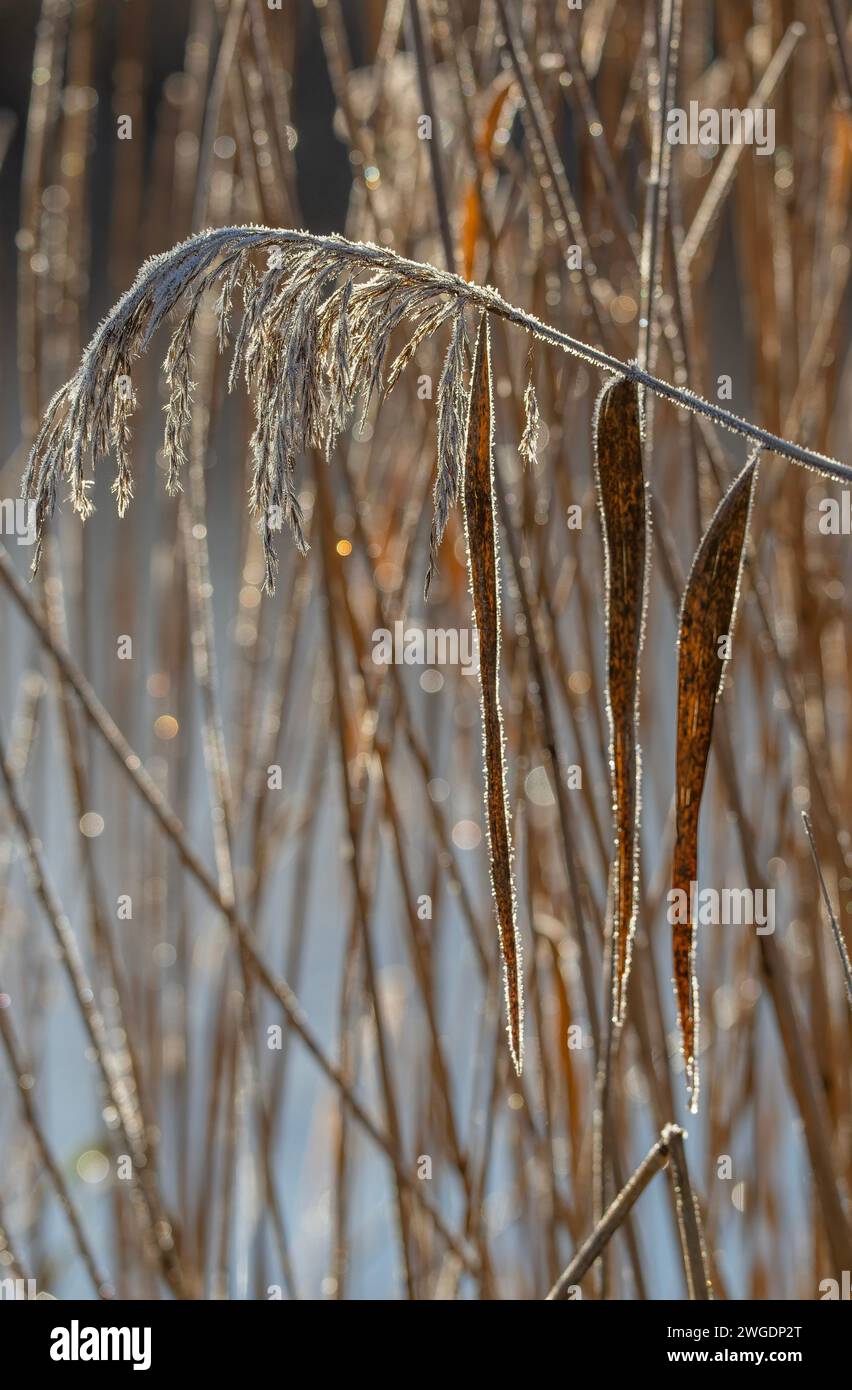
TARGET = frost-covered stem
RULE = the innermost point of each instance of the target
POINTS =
(688, 1220)
(590, 1250)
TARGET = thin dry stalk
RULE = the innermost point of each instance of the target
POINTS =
(836, 931)
(593, 1247)
(689, 1220)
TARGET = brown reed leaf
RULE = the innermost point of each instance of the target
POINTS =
(483, 560)
(623, 506)
(707, 617)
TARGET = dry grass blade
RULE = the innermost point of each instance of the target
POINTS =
(495, 119)
(699, 1285)
(624, 516)
(591, 1249)
(482, 554)
(706, 622)
(836, 929)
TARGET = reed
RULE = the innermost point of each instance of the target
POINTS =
(433, 292)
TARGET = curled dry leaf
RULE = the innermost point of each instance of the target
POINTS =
(707, 618)
(498, 117)
(482, 553)
(623, 505)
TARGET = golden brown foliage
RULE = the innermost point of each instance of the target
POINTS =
(624, 517)
(706, 623)
(483, 556)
